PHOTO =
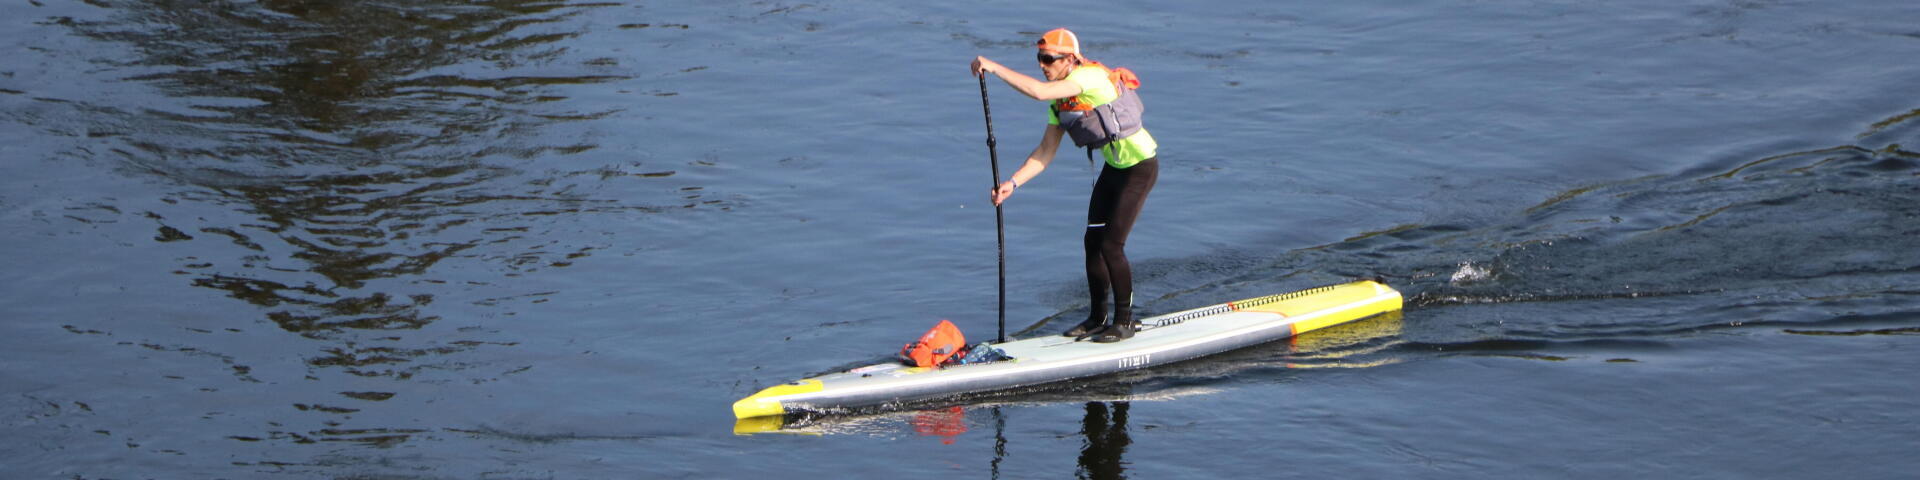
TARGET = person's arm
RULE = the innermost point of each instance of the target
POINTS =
(1036, 163)
(1029, 86)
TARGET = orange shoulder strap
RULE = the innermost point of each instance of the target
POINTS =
(1124, 77)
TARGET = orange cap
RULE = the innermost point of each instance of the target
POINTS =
(1061, 41)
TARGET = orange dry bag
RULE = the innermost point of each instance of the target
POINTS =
(935, 348)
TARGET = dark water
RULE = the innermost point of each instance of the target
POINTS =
(539, 239)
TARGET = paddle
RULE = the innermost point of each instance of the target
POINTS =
(999, 221)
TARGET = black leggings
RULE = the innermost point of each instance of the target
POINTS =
(1117, 198)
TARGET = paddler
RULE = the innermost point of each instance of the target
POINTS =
(1074, 88)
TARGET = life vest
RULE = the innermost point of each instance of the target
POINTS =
(936, 347)
(1094, 126)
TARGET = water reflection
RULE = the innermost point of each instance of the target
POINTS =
(945, 423)
(1105, 427)
(332, 153)
(1359, 344)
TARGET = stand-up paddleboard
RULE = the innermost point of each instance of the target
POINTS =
(1163, 339)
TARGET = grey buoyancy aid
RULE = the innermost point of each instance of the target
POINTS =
(1098, 125)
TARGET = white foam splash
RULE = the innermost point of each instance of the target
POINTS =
(1469, 273)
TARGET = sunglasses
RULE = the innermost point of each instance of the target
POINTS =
(1046, 59)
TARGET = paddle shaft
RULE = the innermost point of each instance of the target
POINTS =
(999, 220)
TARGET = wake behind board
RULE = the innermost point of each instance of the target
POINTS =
(1162, 339)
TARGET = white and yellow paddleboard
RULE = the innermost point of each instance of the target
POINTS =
(1162, 339)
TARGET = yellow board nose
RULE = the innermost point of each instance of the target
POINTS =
(767, 402)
